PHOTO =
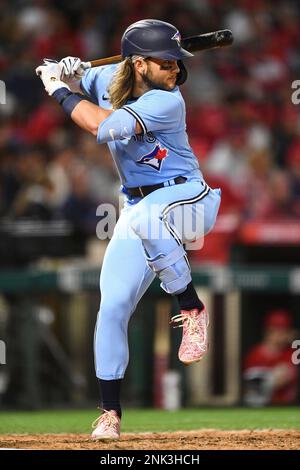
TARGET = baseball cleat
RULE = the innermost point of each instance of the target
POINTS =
(107, 426)
(194, 344)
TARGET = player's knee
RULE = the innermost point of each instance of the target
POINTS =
(172, 270)
(116, 309)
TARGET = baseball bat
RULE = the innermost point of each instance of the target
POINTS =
(200, 42)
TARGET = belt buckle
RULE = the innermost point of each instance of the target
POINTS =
(141, 191)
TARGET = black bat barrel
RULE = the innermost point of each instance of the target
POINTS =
(208, 41)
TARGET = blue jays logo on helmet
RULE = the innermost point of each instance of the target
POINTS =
(155, 158)
(177, 38)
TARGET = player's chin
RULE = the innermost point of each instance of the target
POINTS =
(171, 83)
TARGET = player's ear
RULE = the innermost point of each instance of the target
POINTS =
(140, 64)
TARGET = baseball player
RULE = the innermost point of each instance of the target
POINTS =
(138, 110)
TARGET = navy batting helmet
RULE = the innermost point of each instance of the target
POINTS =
(155, 38)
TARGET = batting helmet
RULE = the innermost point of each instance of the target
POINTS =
(155, 38)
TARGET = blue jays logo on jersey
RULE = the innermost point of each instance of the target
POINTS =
(155, 158)
(177, 38)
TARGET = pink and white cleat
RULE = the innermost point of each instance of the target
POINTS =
(107, 426)
(194, 344)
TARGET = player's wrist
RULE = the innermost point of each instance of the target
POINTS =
(67, 99)
(52, 86)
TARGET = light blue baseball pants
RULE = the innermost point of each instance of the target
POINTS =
(147, 241)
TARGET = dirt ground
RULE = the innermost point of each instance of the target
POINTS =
(190, 440)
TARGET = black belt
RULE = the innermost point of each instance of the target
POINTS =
(142, 191)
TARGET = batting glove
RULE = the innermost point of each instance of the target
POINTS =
(72, 68)
(50, 73)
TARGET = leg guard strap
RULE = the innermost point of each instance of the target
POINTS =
(172, 270)
(178, 285)
(165, 261)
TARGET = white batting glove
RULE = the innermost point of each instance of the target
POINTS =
(72, 68)
(50, 73)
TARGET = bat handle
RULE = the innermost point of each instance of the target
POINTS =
(86, 65)
(106, 61)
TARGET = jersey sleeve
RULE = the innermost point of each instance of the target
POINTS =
(158, 110)
(93, 83)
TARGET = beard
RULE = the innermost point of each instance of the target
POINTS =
(153, 84)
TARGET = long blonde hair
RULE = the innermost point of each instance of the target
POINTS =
(121, 86)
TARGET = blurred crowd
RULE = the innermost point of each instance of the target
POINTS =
(241, 121)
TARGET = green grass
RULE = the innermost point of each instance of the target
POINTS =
(79, 421)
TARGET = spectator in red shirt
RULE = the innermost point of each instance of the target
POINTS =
(269, 375)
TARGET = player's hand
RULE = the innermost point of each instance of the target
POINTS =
(70, 71)
(72, 68)
(50, 73)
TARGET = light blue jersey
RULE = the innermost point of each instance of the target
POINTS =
(162, 152)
